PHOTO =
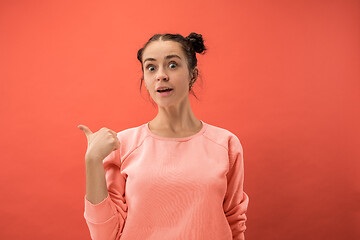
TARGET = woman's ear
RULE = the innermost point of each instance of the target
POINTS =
(195, 74)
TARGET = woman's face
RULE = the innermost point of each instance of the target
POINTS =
(165, 64)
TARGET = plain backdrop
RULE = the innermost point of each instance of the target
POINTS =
(284, 76)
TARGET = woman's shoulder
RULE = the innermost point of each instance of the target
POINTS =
(132, 133)
(216, 130)
(131, 137)
(223, 136)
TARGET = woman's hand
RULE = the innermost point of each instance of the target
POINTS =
(100, 143)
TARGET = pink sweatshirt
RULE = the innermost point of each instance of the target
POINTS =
(160, 188)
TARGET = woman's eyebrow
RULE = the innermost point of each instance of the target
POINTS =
(171, 56)
(167, 57)
(149, 59)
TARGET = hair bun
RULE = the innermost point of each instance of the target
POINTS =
(197, 42)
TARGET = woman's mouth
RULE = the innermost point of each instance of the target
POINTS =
(166, 92)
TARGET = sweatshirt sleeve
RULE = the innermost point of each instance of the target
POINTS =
(236, 200)
(106, 219)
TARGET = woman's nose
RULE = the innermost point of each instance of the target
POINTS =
(161, 75)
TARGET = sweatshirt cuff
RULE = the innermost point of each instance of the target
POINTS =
(101, 212)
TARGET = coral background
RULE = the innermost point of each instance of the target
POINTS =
(284, 76)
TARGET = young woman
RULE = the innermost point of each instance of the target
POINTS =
(174, 177)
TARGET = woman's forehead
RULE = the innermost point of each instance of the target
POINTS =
(161, 49)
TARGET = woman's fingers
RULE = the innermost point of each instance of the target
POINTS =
(86, 130)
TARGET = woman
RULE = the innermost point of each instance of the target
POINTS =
(175, 177)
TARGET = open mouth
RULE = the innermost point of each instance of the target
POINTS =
(165, 90)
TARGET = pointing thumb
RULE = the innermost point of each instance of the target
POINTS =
(85, 129)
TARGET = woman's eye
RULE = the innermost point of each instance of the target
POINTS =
(150, 68)
(173, 64)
